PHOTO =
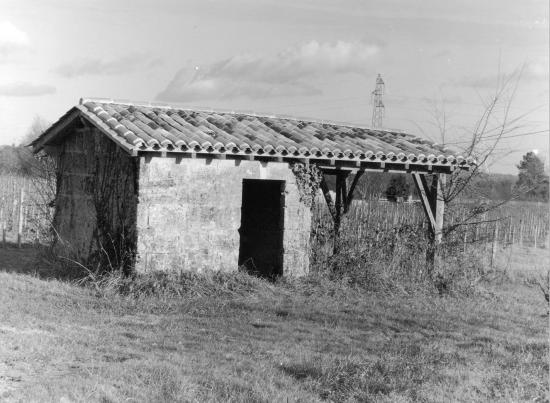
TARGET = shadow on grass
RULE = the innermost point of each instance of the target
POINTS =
(345, 379)
(36, 260)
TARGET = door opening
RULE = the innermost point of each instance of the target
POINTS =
(262, 227)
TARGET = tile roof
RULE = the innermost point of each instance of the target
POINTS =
(147, 128)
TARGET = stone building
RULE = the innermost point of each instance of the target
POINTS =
(161, 188)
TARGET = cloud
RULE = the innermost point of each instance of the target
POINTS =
(260, 76)
(12, 39)
(531, 72)
(25, 90)
(94, 66)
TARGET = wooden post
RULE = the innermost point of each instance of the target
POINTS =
(521, 232)
(37, 236)
(349, 195)
(433, 204)
(465, 235)
(494, 245)
(536, 232)
(20, 220)
(3, 226)
(328, 197)
(343, 200)
(339, 206)
(14, 206)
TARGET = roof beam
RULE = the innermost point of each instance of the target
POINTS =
(323, 164)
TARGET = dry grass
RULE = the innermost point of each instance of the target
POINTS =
(248, 340)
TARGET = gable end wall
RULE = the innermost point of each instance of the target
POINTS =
(96, 200)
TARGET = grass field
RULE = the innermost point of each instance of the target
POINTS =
(309, 340)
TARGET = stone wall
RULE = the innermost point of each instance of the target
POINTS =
(96, 201)
(189, 213)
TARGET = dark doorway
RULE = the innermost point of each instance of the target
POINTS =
(262, 225)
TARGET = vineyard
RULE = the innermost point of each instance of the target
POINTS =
(396, 234)
(514, 222)
(25, 209)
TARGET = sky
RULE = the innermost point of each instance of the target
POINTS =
(442, 62)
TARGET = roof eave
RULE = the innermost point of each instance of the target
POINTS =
(323, 163)
(59, 127)
(55, 130)
(101, 126)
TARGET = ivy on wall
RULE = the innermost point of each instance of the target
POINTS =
(308, 179)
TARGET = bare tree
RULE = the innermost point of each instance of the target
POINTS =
(489, 129)
(40, 169)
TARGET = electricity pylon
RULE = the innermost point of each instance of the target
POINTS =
(378, 104)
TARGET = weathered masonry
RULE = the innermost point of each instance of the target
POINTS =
(161, 188)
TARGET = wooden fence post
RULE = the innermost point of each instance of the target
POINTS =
(521, 232)
(20, 220)
(3, 226)
(495, 245)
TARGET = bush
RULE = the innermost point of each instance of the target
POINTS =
(382, 257)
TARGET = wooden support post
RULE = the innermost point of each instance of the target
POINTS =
(439, 205)
(341, 197)
(20, 220)
(343, 201)
(343, 192)
(349, 196)
(338, 204)
(328, 197)
(433, 204)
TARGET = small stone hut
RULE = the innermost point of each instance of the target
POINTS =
(148, 187)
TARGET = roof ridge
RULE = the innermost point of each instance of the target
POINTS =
(163, 105)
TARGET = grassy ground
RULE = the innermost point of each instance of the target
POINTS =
(255, 341)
